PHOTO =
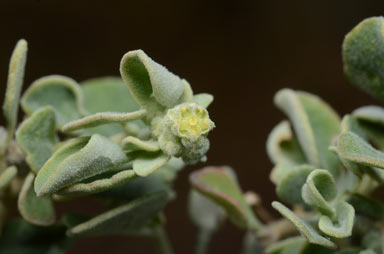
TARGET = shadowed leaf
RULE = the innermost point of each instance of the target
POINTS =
(289, 189)
(96, 186)
(290, 245)
(35, 210)
(37, 137)
(218, 185)
(130, 217)
(204, 213)
(7, 175)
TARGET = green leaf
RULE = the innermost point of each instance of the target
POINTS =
(283, 150)
(102, 118)
(187, 95)
(77, 160)
(291, 245)
(304, 228)
(366, 206)
(100, 185)
(315, 124)
(343, 224)
(20, 236)
(319, 190)
(35, 210)
(282, 145)
(373, 241)
(219, 186)
(363, 56)
(60, 92)
(145, 164)
(36, 136)
(131, 143)
(107, 94)
(129, 217)
(145, 77)
(7, 175)
(373, 114)
(289, 189)
(14, 86)
(353, 148)
(204, 213)
(315, 249)
(203, 99)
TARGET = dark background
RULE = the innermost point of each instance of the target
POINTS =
(241, 51)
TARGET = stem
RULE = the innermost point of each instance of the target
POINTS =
(203, 238)
(161, 240)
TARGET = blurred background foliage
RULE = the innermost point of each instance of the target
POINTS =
(240, 51)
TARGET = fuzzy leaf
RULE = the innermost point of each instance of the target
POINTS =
(107, 94)
(77, 160)
(366, 206)
(319, 190)
(145, 77)
(374, 114)
(187, 95)
(218, 185)
(7, 175)
(315, 124)
(37, 137)
(35, 210)
(131, 143)
(203, 99)
(100, 185)
(132, 216)
(204, 213)
(342, 227)
(363, 56)
(145, 164)
(289, 189)
(290, 245)
(353, 148)
(283, 150)
(14, 86)
(304, 228)
(60, 92)
(102, 118)
(283, 146)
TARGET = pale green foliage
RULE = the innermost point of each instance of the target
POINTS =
(102, 137)
(14, 86)
(325, 167)
(36, 136)
(36, 210)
